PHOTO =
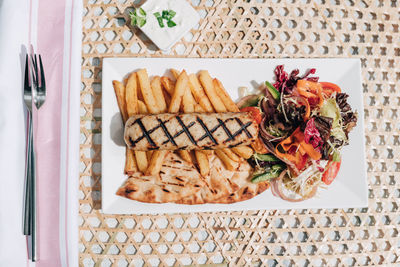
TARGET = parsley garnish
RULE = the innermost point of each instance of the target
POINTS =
(138, 19)
(165, 15)
(159, 19)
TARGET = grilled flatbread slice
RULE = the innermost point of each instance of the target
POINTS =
(177, 179)
(222, 183)
(247, 191)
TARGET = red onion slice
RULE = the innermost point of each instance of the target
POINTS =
(278, 190)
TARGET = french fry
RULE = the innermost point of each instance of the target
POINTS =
(149, 155)
(231, 155)
(168, 85)
(131, 95)
(188, 100)
(198, 108)
(223, 95)
(208, 86)
(119, 89)
(208, 152)
(158, 94)
(167, 98)
(228, 162)
(185, 155)
(142, 107)
(179, 91)
(147, 93)
(141, 160)
(156, 162)
(203, 163)
(243, 151)
(130, 163)
(199, 94)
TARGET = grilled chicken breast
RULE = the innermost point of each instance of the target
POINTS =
(194, 131)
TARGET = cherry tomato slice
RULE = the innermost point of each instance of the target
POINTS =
(331, 173)
(330, 88)
(255, 113)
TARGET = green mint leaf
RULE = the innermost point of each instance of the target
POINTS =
(141, 21)
(171, 13)
(157, 15)
(133, 21)
(142, 11)
(132, 15)
(134, 12)
(160, 22)
(165, 14)
(171, 24)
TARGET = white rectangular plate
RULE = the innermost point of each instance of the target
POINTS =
(349, 188)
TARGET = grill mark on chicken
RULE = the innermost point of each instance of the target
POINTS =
(186, 130)
(208, 133)
(180, 132)
(228, 133)
(243, 127)
(220, 123)
(145, 133)
(167, 133)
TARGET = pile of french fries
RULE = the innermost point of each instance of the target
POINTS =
(184, 94)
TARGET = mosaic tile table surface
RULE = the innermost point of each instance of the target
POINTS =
(368, 30)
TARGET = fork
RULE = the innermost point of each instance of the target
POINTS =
(35, 89)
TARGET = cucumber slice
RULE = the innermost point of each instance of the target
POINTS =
(266, 157)
(276, 170)
(275, 93)
(252, 102)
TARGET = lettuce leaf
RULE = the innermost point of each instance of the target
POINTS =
(330, 109)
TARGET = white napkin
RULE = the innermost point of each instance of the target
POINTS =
(32, 21)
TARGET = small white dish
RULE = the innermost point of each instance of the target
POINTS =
(164, 37)
(348, 190)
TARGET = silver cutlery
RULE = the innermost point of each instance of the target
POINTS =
(34, 90)
(28, 174)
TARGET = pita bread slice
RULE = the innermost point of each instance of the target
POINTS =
(219, 183)
(248, 191)
(245, 189)
(177, 179)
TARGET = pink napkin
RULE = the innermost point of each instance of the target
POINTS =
(54, 28)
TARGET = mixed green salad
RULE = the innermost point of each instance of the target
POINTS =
(304, 124)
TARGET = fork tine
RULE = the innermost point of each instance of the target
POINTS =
(42, 78)
(34, 70)
(27, 84)
(34, 63)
